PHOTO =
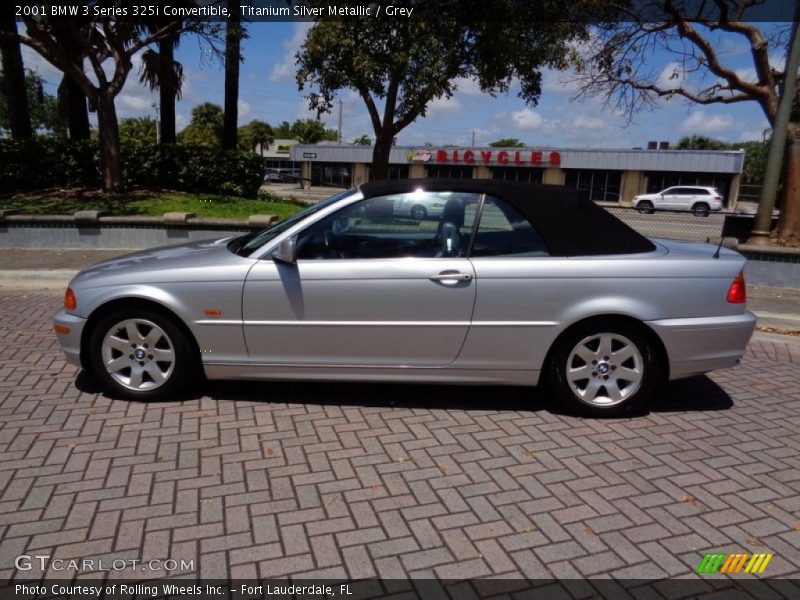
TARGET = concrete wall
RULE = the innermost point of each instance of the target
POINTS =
(633, 183)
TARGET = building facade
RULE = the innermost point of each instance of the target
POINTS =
(602, 175)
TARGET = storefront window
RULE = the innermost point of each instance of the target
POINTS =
(394, 172)
(520, 174)
(332, 174)
(595, 185)
(449, 172)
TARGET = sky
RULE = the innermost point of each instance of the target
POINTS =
(268, 92)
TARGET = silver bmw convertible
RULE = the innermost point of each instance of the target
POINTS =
(492, 283)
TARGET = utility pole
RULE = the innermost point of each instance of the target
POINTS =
(340, 120)
(473, 138)
(766, 202)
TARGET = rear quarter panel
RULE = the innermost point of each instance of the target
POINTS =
(523, 304)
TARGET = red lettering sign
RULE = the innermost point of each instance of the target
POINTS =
(517, 158)
(469, 157)
(441, 156)
(555, 158)
(536, 157)
(486, 156)
(502, 157)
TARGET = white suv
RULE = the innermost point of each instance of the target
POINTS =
(699, 200)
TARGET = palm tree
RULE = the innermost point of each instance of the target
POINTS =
(159, 70)
(256, 134)
(14, 86)
(71, 98)
(234, 32)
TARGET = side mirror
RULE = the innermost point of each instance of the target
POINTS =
(286, 252)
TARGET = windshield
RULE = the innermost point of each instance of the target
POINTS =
(247, 244)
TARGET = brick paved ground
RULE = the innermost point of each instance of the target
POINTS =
(262, 480)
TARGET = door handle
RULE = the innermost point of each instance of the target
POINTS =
(451, 277)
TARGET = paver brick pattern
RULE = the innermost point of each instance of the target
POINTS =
(334, 480)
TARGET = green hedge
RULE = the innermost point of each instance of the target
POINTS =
(46, 162)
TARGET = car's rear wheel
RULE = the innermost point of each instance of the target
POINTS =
(418, 212)
(645, 207)
(141, 355)
(603, 369)
(701, 209)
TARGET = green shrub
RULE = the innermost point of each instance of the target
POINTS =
(45, 162)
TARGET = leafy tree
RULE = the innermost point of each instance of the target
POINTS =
(701, 142)
(205, 128)
(71, 98)
(363, 140)
(507, 143)
(755, 154)
(108, 44)
(311, 131)
(138, 129)
(256, 134)
(160, 71)
(43, 108)
(619, 68)
(14, 83)
(404, 64)
(284, 130)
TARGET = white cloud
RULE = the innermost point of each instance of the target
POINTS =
(559, 82)
(700, 122)
(672, 76)
(285, 69)
(443, 107)
(588, 123)
(244, 109)
(466, 85)
(134, 103)
(526, 120)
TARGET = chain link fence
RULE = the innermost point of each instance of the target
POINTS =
(683, 225)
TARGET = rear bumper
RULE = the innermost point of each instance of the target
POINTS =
(71, 341)
(699, 345)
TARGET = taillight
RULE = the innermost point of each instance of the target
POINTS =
(717, 197)
(737, 293)
(70, 303)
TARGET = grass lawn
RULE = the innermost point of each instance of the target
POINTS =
(146, 203)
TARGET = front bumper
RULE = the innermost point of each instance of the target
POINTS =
(70, 342)
(699, 345)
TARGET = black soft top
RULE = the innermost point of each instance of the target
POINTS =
(569, 225)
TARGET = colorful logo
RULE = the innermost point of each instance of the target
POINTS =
(721, 562)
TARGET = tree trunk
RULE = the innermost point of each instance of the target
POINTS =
(167, 91)
(110, 159)
(380, 156)
(233, 36)
(16, 91)
(75, 108)
(71, 96)
(788, 229)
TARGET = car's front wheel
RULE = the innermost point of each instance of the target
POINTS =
(141, 355)
(645, 207)
(603, 369)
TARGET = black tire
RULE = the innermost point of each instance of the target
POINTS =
(185, 364)
(645, 207)
(648, 364)
(701, 209)
(418, 212)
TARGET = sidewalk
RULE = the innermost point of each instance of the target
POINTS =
(778, 309)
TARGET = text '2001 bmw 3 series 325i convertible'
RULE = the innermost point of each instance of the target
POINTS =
(430, 281)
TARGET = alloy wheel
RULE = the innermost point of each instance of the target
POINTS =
(138, 354)
(604, 369)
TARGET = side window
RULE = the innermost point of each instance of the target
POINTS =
(419, 224)
(503, 231)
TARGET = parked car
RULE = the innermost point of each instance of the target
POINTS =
(279, 175)
(699, 200)
(513, 284)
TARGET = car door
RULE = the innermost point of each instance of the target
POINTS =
(521, 296)
(371, 286)
(670, 198)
